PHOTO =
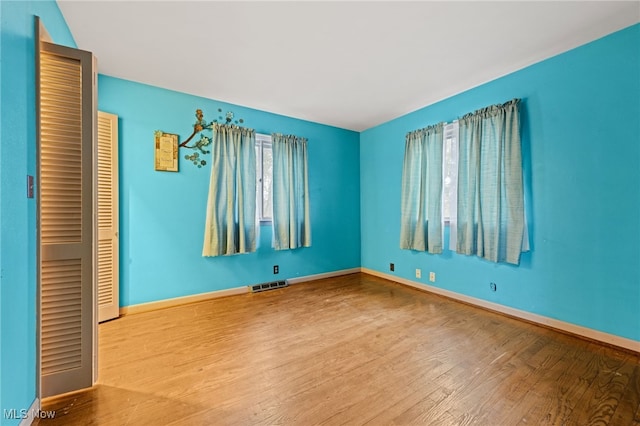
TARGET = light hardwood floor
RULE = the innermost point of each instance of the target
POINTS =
(350, 350)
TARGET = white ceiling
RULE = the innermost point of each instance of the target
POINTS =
(348, 64)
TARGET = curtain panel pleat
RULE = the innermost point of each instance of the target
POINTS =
(230, 226)
(490, 214)
(291, 215)
(421, 193)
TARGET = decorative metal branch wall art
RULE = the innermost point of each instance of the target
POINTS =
(200, 146)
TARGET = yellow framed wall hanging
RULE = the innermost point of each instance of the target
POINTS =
(166, 157)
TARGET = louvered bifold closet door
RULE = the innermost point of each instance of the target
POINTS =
(108, 300)
(66, 232)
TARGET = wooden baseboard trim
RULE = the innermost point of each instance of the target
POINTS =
(315, 277)
(577, 330)
(176, 301)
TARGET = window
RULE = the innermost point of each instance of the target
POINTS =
(450, 171)
(264, 174)
(469, 174)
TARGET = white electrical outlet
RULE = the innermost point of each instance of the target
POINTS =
(432, 277)
(418, 273)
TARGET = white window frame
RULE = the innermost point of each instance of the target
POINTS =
(450, 168)
(263, 142)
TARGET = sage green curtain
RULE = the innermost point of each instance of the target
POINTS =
(421, 197)
(491, 219)
(230, 225)
(291, 216)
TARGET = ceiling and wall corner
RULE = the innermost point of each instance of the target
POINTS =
(352, 65)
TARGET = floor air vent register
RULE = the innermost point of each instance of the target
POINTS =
(268, 286)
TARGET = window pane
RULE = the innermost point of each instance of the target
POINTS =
(267, 173)
(449, 163)
(259, 179)
(264, 174)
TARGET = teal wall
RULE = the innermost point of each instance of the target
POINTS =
(581, 139)
(581, 143)
(162, 214)
(17, 213)
(1, 406)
